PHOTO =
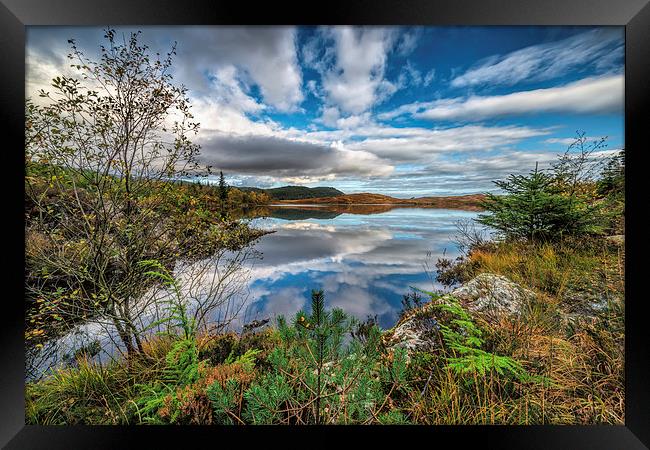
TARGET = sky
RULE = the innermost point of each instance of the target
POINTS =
(403, 111)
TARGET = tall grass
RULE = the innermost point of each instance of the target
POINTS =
(561, 335)
(548, 365)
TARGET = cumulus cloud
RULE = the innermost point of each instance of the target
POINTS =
(228, 90)
(591, 95)
(215, 115)
(598, 48)
(264, 56)
(264, 155)
(356, 80)
(246, 89)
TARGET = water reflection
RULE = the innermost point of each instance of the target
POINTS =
(364, 260)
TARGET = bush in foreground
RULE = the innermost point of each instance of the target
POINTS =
(310, 370)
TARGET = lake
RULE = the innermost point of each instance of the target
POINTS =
(364, 258)
(364, 261)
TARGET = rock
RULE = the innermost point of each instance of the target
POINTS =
(493, 295)
(418, 332)
(488, 295)
(616, 239)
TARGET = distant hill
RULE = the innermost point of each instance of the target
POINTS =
(296, 192)
(468, 202)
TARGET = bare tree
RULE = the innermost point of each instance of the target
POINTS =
(102, 150)
(469, 236)
(580, 164)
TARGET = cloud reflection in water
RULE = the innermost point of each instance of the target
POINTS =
(363, 262)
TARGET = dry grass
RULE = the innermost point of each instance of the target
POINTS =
(580, 357)
(468, 202)
(576, 362)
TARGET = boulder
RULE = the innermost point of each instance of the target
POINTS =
(419, 331)
(493, 295)
(487, 295)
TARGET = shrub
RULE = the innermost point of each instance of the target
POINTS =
(316, 377)
(533, 207)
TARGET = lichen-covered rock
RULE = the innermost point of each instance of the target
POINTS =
(417, 332)
(493, 295)
(487, 295)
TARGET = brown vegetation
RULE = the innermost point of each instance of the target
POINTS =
(469, 202)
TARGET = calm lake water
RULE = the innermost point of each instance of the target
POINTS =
(364, 262)
(365, 258)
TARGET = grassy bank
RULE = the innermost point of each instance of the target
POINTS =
(559, 360)
(325, 367)
(574, 331)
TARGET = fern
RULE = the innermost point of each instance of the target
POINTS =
(183, 362)
(463, 341)
(176, 310)
(247, 360)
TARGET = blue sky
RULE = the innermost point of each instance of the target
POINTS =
(405, 111)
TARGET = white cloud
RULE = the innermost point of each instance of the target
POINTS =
(548, 60)
(218, 117)
(452, 174)
(588, 96)
(236, 75)
(264, 56)
(570, 140)
(267, 55)
(356, 81)
(408, 42)
(429, 77)
(329, 116)
(227, 89)
(421, 147)
(414, 73)
(285, 301)
(411, 75)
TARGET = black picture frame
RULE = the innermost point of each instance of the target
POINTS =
(15, 15)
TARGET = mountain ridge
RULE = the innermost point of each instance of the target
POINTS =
(295, 192)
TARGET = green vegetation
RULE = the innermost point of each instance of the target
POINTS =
(296, 192)
(307, 372)
(581, 195)
(303, 372)
(574, 331)
(223, 188)
(535, 208)
(109, 235)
